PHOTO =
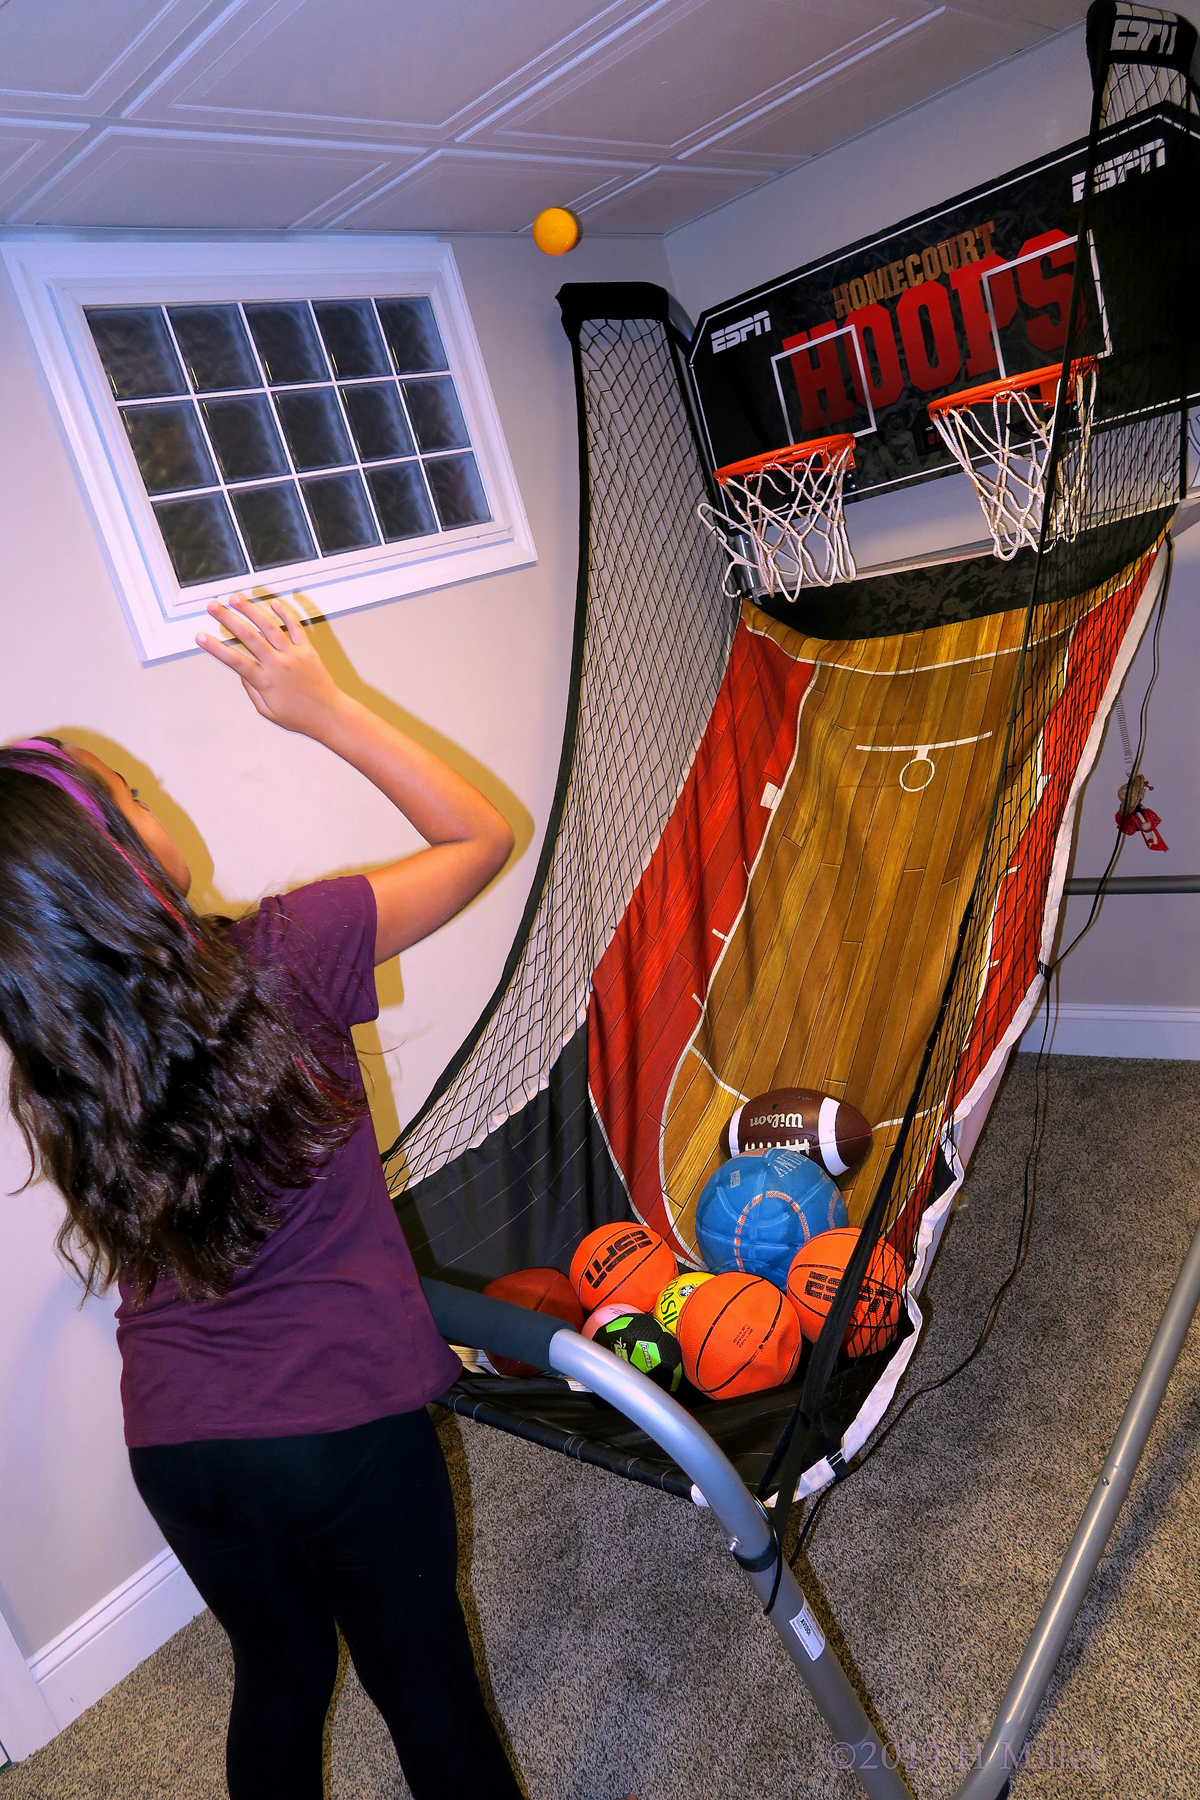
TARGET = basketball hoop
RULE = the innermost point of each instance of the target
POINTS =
(999, 433)
(783, 520)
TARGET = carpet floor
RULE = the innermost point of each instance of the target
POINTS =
(621, 1644)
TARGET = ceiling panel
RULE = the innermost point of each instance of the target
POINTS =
(148, 179)
(1050, 15)
(28, 148)
(402, 115)
(667, 197)
(371, 63)
(693, 66)
(461, 190)
(64, 52)
(850, 100)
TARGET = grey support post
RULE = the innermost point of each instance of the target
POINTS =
(751, 1541)
(1001, 1754)
(468, 1318)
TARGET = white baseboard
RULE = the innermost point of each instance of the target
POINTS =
(107, 1643)
(26, 1722)
(1170, 1032)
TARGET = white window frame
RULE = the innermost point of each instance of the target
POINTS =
(55, 276)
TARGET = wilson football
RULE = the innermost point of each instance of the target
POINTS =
(832, 1132)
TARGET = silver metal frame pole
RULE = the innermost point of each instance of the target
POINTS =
(752, 1543)
(1134, 884)
(1000, 1757)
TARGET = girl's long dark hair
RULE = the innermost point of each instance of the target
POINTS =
(156, 1077)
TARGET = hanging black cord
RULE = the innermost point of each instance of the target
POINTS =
(1040, 1076)
(1111, 864)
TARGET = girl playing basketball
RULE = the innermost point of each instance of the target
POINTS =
(191, 1085)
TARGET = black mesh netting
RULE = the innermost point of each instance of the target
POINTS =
(1111, 493)
(652, 639)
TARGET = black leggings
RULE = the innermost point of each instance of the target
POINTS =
(285, 1536)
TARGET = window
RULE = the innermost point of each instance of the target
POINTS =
(311, 418)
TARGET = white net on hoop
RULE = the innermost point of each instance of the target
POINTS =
(783, 521)
(1003, 444)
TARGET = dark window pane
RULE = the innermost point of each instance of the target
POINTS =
(273, 525)
(341, 512)
(200, 538)
(245, 438)
(313, 426)
(401, 501)
(352, 338)
(457, 491)
(436, 415)
(377, 421)
(215, 347)
(287, 342)
(412, 334)
(169, 446)
(136, 350)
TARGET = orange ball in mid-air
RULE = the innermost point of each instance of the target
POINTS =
(626, 1262)
(555, 230)
(739, 1334)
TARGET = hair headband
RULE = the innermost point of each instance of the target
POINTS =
(61, 777)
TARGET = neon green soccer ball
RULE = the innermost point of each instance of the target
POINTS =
(641, 1341)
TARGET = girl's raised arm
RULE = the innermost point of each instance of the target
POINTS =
(468, 839)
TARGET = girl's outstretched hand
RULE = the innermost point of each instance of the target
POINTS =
(285, 678)
(469, 841)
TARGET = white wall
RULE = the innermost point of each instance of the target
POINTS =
(480, 671)
(1141, 952)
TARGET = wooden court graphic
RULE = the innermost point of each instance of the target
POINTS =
(796, 923)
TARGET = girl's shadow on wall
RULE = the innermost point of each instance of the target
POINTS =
(206, 897)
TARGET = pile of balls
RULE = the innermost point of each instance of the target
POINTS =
(773, 1230)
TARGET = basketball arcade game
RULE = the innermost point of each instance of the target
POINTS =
(589, 1088)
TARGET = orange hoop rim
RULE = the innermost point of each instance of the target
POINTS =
(825, 448)
(1047, 379)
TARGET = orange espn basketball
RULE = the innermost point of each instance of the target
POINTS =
(813, 1279)
(739, 1334)
(541, 1290)
(625, 1262)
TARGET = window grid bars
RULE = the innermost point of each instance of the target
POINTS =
(287, 451)
(288, 387)
(344, 416)
(257, 481)
(404, 405)
(195, 406)
(360, 466)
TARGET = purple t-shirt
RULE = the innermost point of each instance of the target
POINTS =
(328, 1327)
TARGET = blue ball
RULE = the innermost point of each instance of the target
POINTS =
(757, 1211)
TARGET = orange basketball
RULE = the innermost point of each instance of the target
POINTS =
(629, 1263)
(813, 1279)
(738, 1334)
(541, 1290)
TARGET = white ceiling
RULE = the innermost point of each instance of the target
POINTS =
(399, 115)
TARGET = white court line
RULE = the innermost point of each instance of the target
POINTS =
(744, 1098)
(924, 1112)
(946, 744)
(953, 662)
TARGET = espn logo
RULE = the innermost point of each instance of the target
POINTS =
(730, 336)
(1132, 162)
(636, 1238)
(1144, 37)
